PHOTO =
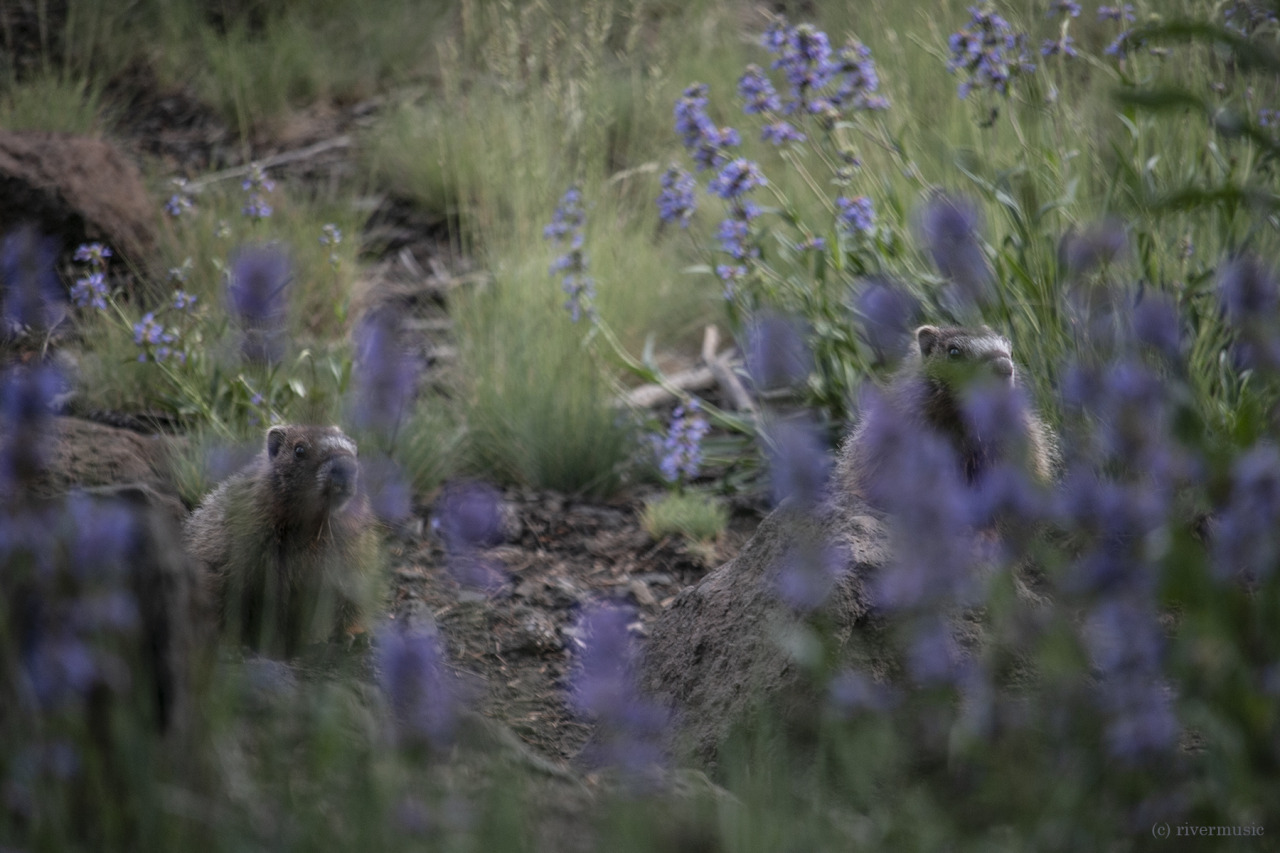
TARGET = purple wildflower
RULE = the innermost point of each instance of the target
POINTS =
(1245, 539)
(1156, 324)
(676, 202)
(257, 290)
(850, 692)
(29, 288)
(1247, 289)
(183, 301)
(699, 134)
(384, 375)
(257, 184)
(987, 53)
(757, 92)
(1065, 8)
(566, 227)
(180, 202)
(799, 462)
(887, 315)
(469, 518)
(855, 215)
(738, 177)
(776, 352)
(734, 235)
(90, 291)
(859, 80)
(468, 514)
(93, 254)
(1098, 245)
(780, 133)
(1247, 16)
(1116, 13)
(949, 226)
(804, 56)
(1064, 45)
(603, 688)
(1249, 296)
(808, 573)
(155, 340)
(26, 398)
(413, 675)
(935, 657)
(680, 452)
(390, 493)
(1122, 44)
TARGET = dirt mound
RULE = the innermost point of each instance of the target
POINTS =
(77, 189)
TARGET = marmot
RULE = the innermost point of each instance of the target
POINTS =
(288, 544)
(924, 396)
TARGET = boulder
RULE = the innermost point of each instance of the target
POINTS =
(85, 454)
(730, 645)
(78, 189)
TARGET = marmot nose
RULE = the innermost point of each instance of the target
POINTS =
(342, 477)
(1002, 367)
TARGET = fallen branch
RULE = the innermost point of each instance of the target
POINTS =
(723, 371)
(281, 159)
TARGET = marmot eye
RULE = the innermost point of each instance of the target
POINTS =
(299, 451)
(953, 351)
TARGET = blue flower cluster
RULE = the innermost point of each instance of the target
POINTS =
(91, 290)
(566, 230)
(180, 202)
(680, 452)
(256, 184)
(988, 53)
(676, 202)
(821, 81)
(706, 142)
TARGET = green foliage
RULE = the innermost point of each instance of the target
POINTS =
(696, 516)
(52, 102)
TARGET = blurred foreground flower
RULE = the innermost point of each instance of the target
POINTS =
(468, 516)
(30, 293)
(777, 355)
(413, 675)
(258, 290)
(949, 227)
(602, 687)
(384, 376)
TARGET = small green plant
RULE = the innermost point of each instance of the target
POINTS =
(697, 516)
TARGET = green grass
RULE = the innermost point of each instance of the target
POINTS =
(695, 516)
(52, 102)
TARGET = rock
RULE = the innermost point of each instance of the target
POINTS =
(727, 646)
(78, 189)
(88, 454)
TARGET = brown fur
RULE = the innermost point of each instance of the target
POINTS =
(288, 544)
(923, 396)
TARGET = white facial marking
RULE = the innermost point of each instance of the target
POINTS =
(338, 443)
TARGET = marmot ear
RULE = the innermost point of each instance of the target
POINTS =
(275, 438)
(927, 338)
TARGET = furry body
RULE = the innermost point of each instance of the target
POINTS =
(288, 545)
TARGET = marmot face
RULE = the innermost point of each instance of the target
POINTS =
(314, 471)
(958, 357)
